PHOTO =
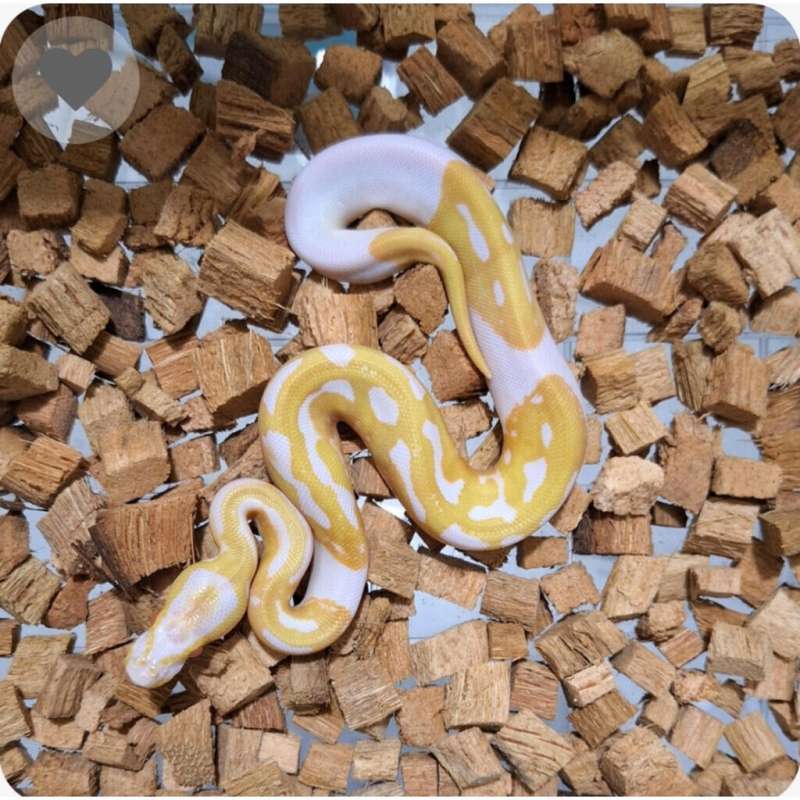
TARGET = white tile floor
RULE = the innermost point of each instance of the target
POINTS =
(434, 615)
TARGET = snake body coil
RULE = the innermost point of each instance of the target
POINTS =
(313, 511)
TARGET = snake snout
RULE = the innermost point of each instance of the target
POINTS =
(145, 670)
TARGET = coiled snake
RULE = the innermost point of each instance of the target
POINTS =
(311, 508)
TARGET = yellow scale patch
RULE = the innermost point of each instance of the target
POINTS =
(518, 318)
(271, 594)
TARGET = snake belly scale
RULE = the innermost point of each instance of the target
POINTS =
(309, 517)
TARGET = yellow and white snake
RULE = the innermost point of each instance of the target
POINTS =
(311, 509)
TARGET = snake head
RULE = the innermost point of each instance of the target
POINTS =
(145, 669)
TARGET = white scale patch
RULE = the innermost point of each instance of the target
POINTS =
(339, 354)
(311, 437)
(276, 384)
(283, 647)
(547, 434)
(499, 509)
(295, 623)
(332, 580)
(450, 490)
(476, 238)
(522, 370)
(535, 472)
(456, 536)
(401, 458)
(277, 448)
(499, 296)
(383, 407)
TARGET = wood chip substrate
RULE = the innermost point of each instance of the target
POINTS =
(646, 640)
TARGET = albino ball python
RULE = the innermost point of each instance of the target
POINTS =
(313, 509)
